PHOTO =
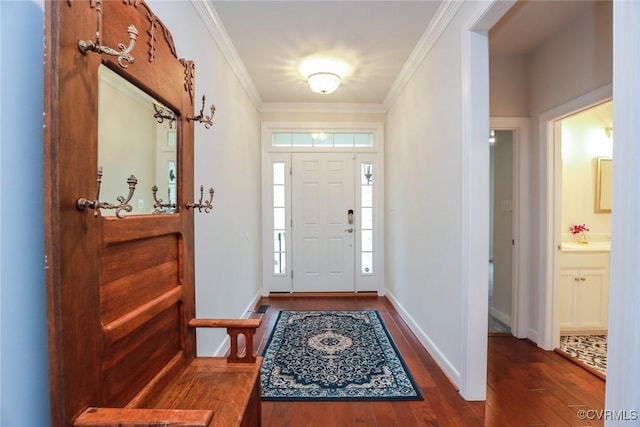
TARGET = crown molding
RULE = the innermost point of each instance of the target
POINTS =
(304, 107)
(441, 20)
(443, 17)
(214, 25)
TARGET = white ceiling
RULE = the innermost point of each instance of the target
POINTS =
(265, 41)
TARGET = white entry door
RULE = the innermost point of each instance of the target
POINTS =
(323, 232)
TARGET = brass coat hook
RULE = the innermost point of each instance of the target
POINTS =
(86, 46)
(207, 206)
(83, 203)
(161, 114)
(208, 120)
(158, 205)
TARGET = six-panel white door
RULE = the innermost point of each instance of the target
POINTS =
(323, 237)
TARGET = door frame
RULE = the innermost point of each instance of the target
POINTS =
(283, 283)
(521, 233)
(550, 232)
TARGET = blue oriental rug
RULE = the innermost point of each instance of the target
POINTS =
(333, 355)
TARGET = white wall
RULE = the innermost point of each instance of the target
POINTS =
(227, 157)
(508, 79)
(24, 381)
(425, 212)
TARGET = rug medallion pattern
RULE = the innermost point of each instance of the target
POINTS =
(333, 355)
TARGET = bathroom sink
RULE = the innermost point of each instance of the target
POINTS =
(591, 246)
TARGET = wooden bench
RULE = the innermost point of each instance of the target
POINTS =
(209, 391)
(121, 291)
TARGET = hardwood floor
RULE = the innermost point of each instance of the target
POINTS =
(526, 385)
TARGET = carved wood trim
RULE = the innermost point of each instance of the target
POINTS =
(154, 22)
(189, 76)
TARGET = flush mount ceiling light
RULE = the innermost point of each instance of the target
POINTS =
(324, 82)
(324, 73)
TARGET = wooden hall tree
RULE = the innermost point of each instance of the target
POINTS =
(120, 288)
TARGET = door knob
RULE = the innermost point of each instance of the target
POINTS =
(349, 230)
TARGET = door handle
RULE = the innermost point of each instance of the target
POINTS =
(349, 230)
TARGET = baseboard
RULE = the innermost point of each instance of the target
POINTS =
(447, 367)
(499, 315)
(532, 335)
(225, 345)
(252, 305)
(363, 294)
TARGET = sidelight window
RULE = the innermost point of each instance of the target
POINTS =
(279, 219)
(366, 213)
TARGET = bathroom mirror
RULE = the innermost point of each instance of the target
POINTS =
(603, 185)
(137, 135)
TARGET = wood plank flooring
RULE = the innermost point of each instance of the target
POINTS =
(526, 386)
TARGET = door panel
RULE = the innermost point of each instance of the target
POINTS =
(323, 248)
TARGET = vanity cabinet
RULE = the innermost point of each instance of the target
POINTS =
(584, 291)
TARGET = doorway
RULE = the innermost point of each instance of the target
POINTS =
(584, 141)
(557, 237)
(581, 179)
(502, 240)
(510, 228)
(323, 207)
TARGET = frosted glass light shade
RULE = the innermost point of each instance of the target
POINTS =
(323, 83)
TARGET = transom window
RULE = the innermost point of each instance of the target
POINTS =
(321, 139)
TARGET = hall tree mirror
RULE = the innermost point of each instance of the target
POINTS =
(136, 134)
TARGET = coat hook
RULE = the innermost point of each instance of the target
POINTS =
(207, 206)
(161, 114)
(208, 120)
(86, 46)
(83, 203)
(158, 205)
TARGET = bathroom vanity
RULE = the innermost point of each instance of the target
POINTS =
(584, 287)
